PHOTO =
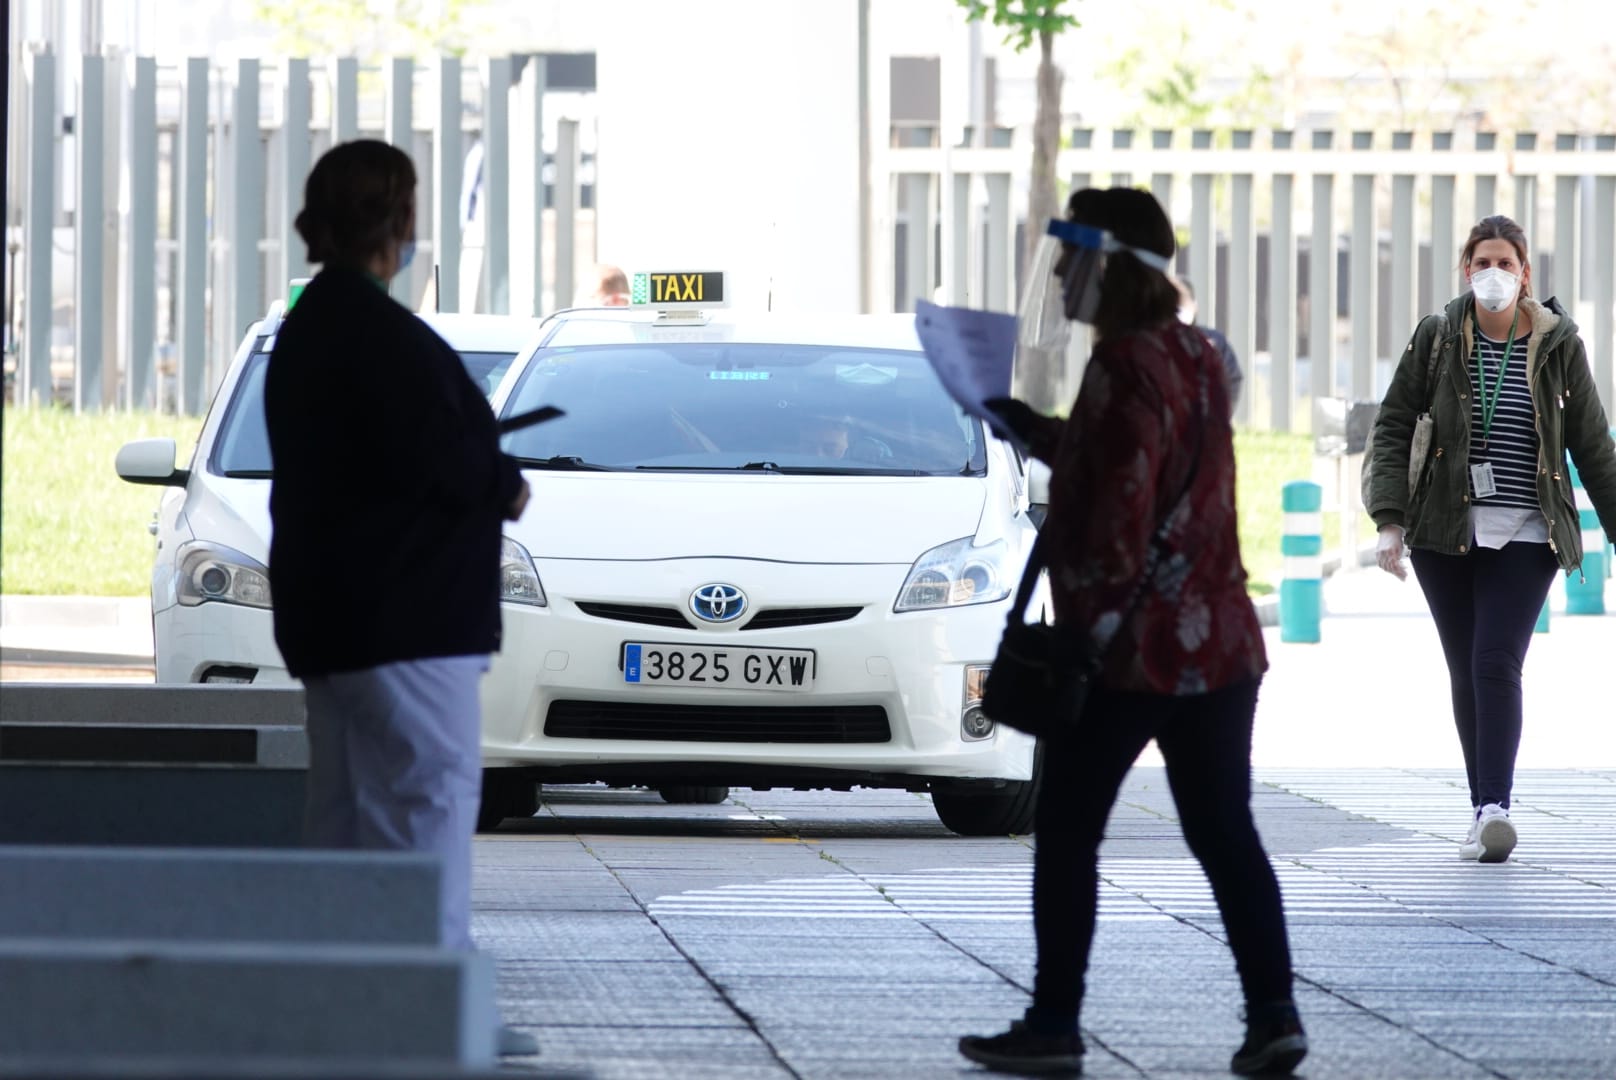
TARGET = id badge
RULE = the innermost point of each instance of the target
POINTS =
(1481, 480)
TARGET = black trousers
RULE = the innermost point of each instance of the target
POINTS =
(1486, 604)
(1205, 740)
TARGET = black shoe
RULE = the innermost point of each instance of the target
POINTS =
(1275, 1042)
(1020, 1050)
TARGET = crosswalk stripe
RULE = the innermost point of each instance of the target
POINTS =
(1564, 870)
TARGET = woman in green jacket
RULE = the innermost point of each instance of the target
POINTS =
(1490, 515)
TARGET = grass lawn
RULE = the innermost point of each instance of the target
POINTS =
(69, 526)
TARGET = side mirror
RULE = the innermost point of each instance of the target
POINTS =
(1037, 490)
(151, 461)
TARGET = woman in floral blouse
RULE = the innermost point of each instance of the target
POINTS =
(1183, 667)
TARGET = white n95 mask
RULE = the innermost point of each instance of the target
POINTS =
(1494, 289)
(1051, 302)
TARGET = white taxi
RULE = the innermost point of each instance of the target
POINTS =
(761, 551)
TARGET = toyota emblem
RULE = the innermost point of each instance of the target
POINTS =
(718, 603)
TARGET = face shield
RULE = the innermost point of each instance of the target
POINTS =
(1065, 281)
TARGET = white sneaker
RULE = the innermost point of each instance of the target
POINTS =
(1495, 833)
(1470, 848)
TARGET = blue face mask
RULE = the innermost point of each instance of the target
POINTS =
(406, 253)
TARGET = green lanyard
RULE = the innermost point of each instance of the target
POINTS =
(1489, 405)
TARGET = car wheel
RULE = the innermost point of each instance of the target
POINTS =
(693, 793)
(1002, 810)
(507, 793)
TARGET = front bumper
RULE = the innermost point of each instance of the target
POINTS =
(558, 658)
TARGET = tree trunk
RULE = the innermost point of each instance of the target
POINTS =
(1041, 377)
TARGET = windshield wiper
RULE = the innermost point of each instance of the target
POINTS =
(750, 466)
(249, 474)
(563, 461)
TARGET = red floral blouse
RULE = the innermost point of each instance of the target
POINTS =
(1117, 468)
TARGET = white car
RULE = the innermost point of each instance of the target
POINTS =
(211, 617)
(760, 552)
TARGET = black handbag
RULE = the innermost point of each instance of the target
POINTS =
(1042, 673)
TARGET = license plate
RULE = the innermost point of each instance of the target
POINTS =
(650, 663)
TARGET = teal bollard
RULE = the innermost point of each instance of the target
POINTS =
(1542, 626)
(1301, 590)
(1585, 591)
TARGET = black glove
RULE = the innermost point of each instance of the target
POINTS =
(1016, 419)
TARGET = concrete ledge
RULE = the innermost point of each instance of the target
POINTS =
(161, 805)
(81, 1068)
(154, 744)
(130, 999)
(190, 705)
(347, 897)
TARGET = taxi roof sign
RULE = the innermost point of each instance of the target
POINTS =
(677, 289)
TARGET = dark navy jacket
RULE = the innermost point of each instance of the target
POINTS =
(389, 487)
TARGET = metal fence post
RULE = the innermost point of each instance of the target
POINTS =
(998, 284)
(1203, 233)
(1243, 281)
(400, 131)
(246, 297)
(1321, 280)
(447, 164)
(1282, 299)
(1444, 248)
(1486, 184)
(1364, 259)
(38, 241)
(193, 233)
(496, 186)
(295, 153)
(1403, 248)
(345, 100)
(1563, 282)
(527, 182)
(566, 212)
(1301, 590)
(89, 241)
(1526, 187)
(142, 274)
(1161, 183)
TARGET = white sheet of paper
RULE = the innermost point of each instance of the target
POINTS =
(973, 352)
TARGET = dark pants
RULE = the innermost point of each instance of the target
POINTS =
(1205, 740)
(1486, 605)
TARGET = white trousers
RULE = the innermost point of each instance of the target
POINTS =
(395, 764)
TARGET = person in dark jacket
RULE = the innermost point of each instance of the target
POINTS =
(1149, 440)
(386, 505)
(1491, 515)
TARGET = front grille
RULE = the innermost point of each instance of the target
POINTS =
(637, 613)
(717, 723)
(775, 618)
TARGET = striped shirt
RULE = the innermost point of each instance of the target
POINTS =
(1511, 447)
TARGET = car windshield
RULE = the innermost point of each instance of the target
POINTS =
(242, 448)
(698, 406)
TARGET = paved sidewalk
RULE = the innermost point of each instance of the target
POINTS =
(847, 935)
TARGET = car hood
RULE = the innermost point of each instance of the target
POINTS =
(809, 519)
(231, 512)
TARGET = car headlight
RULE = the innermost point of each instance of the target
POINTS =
(956, 574)
(518, 580)
(212, 573)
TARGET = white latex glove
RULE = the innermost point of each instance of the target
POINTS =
(1389, 551)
